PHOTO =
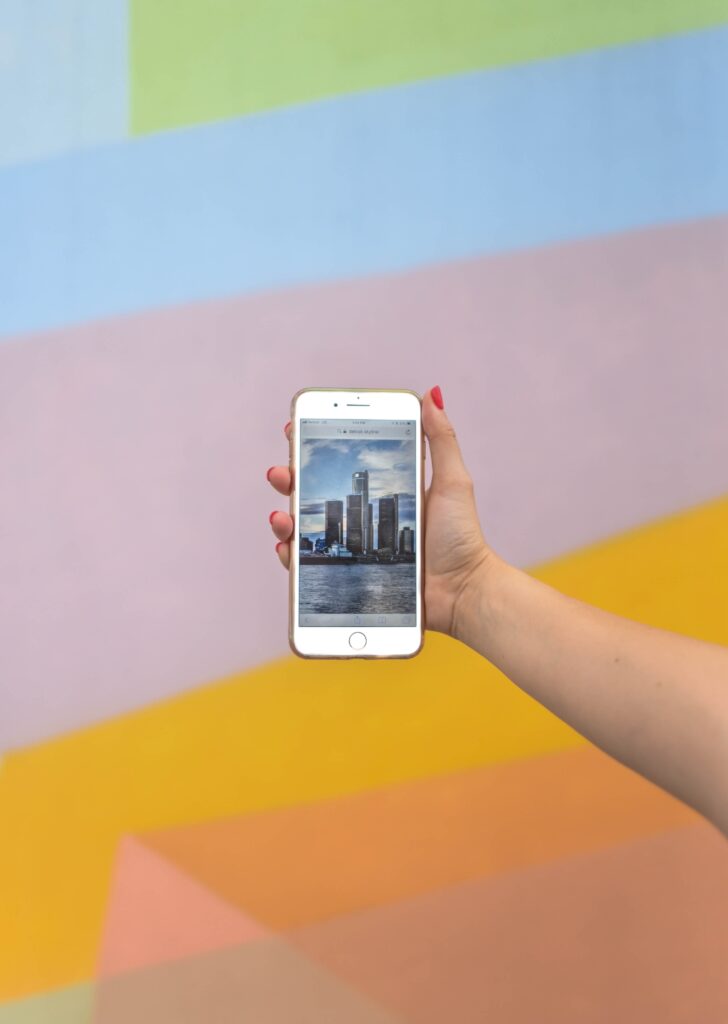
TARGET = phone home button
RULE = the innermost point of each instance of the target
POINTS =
(357, 641)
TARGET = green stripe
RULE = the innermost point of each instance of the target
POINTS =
(200, 60)
(64, 1006)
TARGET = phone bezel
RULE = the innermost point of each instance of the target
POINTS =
(333, 641)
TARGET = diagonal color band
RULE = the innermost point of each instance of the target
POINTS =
(499, 160)
(193, 61)
(296, 731)
(131, 555)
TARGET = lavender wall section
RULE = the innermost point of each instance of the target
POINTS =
(587, 382)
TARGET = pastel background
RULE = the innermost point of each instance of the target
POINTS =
(203, 208)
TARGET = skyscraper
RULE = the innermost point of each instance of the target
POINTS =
(334, 522)
(354, 531)
(360, 485)
(406, 541)
(389, 524)
(386, 538)
(370, 527)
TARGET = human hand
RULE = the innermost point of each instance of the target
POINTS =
(654, 700)
(456, 554)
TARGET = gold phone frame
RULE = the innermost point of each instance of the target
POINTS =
(293, 466)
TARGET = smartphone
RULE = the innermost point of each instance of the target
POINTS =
(357, 461)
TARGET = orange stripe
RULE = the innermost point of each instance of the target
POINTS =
(634, 933)
(307, 863)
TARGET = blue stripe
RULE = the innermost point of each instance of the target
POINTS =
(521, 156)
(63, 76)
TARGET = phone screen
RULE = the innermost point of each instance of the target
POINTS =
(357, 522)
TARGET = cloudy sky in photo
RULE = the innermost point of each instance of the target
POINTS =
(327, 466)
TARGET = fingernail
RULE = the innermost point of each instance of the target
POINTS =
(286, 426)
(267, 475)
(437, 397)
(270, 518)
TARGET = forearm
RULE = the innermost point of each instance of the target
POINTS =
(656, 701)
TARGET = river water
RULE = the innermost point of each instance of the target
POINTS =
(359, 589)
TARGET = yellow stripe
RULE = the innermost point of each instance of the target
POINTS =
(672, 574)
(295, 731)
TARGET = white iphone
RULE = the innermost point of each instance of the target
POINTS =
(357, 460)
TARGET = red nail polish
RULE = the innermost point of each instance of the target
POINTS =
(437, 397)
(270, 518)
(267, 475)
(286, 426)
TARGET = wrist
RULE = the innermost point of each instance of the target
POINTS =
(477, 604)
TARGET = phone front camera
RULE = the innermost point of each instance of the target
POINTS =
(335, 404)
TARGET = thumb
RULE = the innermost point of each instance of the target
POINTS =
(448, 468)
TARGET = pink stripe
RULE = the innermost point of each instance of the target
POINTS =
(587, 383)
(158, 913)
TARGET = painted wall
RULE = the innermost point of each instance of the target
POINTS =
(203, 208)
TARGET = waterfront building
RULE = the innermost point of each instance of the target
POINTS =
(407, 541)
(334, 522)
(360, 485)
(354, 524)
(387, 532)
